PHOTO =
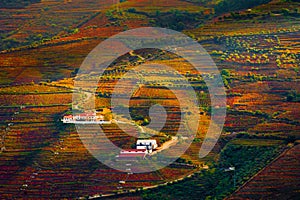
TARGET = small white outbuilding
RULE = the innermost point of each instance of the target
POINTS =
(149, 145)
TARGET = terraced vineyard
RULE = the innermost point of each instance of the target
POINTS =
(281, 176)
(40, 157)
(256, 50)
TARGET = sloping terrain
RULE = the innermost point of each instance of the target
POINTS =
(256, 50)
(279, 180)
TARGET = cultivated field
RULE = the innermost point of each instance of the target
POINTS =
(256, 51)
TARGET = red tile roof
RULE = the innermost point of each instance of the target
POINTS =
(68, 116)
(132, 153)
(133, 150)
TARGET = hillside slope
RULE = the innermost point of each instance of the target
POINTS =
(279, 180)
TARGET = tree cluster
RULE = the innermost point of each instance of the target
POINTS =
(233, 5)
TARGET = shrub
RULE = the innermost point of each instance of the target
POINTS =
(132, 10)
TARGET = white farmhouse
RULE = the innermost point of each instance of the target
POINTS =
(82, 117)
(149, 145)
(86, 117)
